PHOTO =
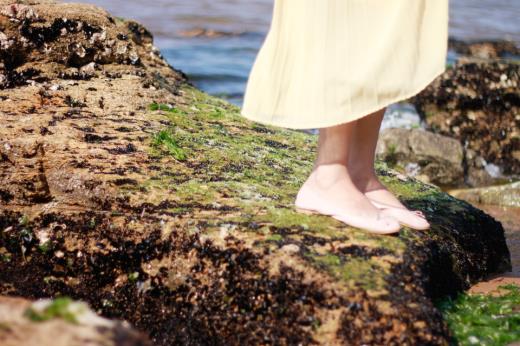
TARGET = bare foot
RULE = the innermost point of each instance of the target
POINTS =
(330, 191)
(379, 195)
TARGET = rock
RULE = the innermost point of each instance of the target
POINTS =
(60, 323)
(48, 37)
(507, 195)
(477, 103)
(434, 158)
(488, 49)
(164, 207)
(290, 248)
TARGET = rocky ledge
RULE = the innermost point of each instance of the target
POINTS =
(125, 187)
(471, 114)
(477, 102)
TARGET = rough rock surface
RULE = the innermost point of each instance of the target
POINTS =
(160, 205)
(23, 324)
(428, 156)
(507, 195)
(478, 103)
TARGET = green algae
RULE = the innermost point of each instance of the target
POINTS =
(258, 169)
(274, 237)
(289, 218)
(132, 277)
(164, 139)
(484, 319)
(59, 308)
(45, 247)
(259, 166)
(365, 273)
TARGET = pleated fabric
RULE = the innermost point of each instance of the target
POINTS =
(328, 62)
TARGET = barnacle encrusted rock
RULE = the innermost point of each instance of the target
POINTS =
(125, 187)
(478, 103)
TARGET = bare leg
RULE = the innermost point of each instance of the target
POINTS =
(362, 156)
(330, 190)
(361, 163)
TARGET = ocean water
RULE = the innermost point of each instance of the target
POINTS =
(220, 65)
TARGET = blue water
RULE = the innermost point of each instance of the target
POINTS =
(220, 66)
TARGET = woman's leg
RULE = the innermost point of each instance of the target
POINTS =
(330, 190)
(361, 163)
(362, 156)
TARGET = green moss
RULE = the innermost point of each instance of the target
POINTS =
(288, 218)
(23, 220)
(361, 272)
(328, 260)
(160, 106)
(92, 223)
(274, 237)
(132, 277)
(59, 308)
(5, 257)
(410, 188)
(484, 319)
(259, 168)
(164, 139)
(45, 247)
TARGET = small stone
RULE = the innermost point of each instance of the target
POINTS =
(493, 170)
(98, 36)
(412, 169)
(5, 43)
(471, 116)
(473, 340)
(224, 232)
(88, 69)
(419, 324)
(290, 248)
(42, 236)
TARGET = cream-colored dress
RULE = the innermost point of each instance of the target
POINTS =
(327, 62)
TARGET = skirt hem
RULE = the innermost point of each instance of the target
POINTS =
(338, 121)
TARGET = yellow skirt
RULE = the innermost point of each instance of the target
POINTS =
(328, 62)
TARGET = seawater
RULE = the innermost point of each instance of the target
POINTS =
(221, 65)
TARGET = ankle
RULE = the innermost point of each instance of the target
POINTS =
(366, 181)
(324, 175)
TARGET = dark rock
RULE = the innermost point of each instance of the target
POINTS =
(478, 103)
